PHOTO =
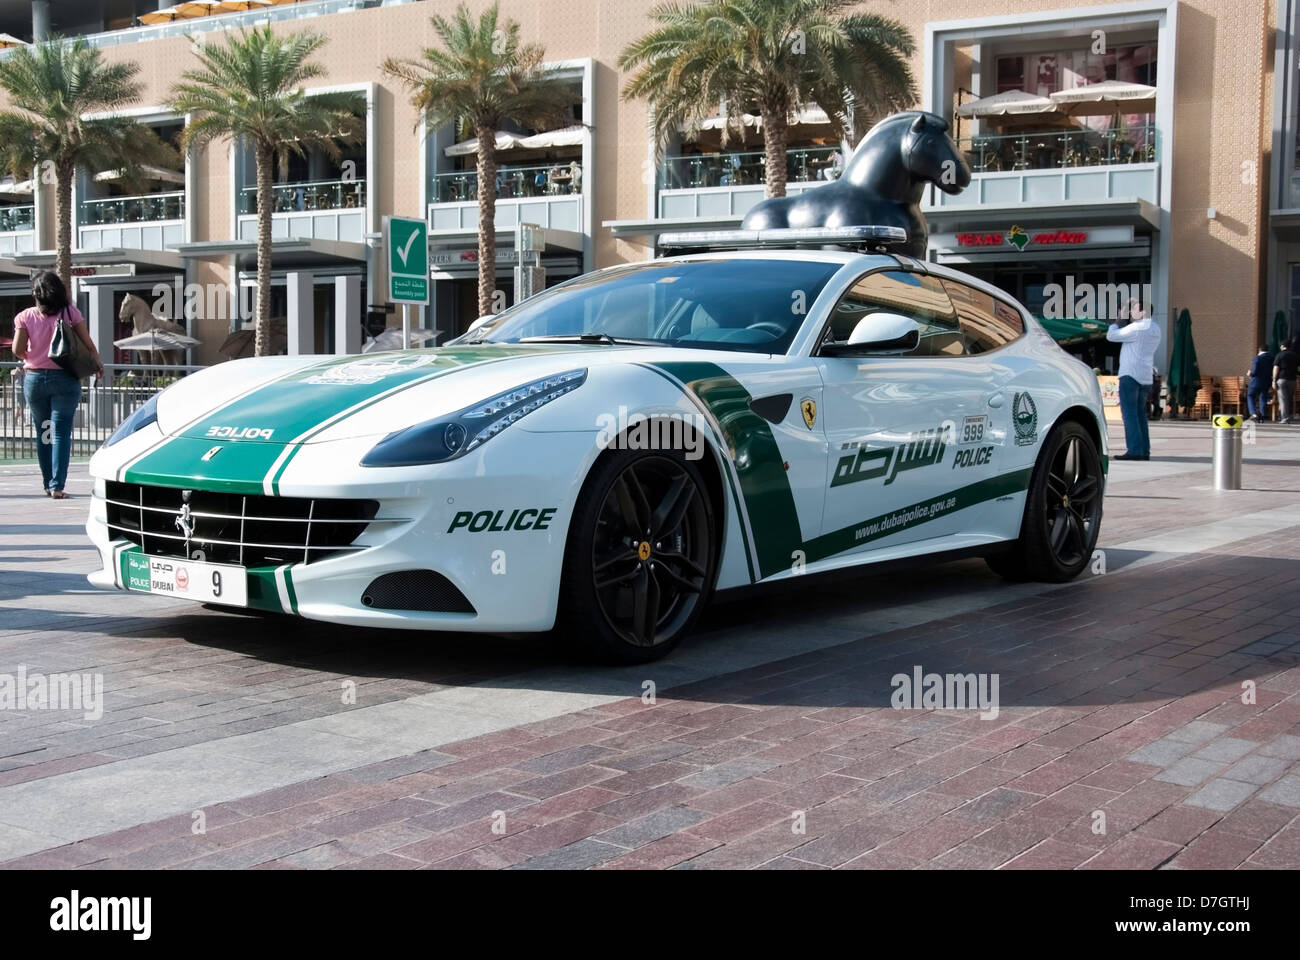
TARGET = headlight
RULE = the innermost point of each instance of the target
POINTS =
(144, 415)
(458, 433)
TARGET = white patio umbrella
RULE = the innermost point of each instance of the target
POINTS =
(153, 340)
(505, 141)
(8, 40)
(1006, 104)
(1106, 99)
(744, 120)
(392, 339)
(566, 137)
(147, 172)
(188, 10)
(21, 188)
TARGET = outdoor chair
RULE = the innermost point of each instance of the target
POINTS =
(1232, 395)
(1207, 398)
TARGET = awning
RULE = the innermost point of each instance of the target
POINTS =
(1285, 224)
(23, 188)
(1073, 330)
(650, 229)
(1131, 211)
(141, 261)
(287, 252)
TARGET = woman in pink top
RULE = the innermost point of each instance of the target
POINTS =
(52, 394)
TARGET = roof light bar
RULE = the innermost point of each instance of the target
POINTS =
(860, 236)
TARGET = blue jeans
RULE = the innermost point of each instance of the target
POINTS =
(52, 397)
(1133, 407)
(1257, 399)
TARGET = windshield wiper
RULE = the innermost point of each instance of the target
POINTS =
(589, 338)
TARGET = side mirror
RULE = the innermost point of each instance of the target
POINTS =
(480, 321)
(878, 333)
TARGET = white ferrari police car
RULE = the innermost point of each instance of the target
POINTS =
(603, 456)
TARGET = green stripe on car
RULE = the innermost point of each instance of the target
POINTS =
(295, 411)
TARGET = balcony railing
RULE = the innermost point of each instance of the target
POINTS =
(538, 181)
(802, 164)
(308, 196)
(150, 208)
(1056, 149)
(17, 218)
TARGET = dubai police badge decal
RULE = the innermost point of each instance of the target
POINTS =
(809, 407)
(1024, 416)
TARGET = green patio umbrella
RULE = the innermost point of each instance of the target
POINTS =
(1069, 331)
(1184, 375)
(1281, 331)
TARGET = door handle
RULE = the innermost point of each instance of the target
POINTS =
(997, 400)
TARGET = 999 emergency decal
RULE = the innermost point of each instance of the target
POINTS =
(973, 430)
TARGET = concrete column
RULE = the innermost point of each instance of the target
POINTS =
(301, 314)
(347, 314)
(40, 20)
(100, 320)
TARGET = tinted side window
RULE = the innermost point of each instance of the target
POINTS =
(914, 295)
(986, 322)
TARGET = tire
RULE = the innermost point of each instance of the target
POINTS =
(627, 596)
(1062, 511)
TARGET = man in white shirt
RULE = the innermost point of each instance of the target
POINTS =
(1139, 337)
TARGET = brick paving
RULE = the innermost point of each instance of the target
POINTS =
(1147, 718)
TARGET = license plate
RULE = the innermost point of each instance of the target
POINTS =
(187, 579)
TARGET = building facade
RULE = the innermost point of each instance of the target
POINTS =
(1188, 200)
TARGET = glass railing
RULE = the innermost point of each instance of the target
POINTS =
(1055, 149)
(17, 218)
(802, 165)
(306, 196)
(538, 181)
(149, 208)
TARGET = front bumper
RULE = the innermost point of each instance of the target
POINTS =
(494, 524)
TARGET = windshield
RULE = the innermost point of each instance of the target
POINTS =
(749, 305)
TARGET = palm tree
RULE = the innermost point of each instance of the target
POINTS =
(482, 75)
(772, 55)
(249, 89)
(59, 94)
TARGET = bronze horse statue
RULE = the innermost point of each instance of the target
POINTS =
(882, 183)
(143, 320)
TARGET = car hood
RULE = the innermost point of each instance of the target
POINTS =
(316, 400)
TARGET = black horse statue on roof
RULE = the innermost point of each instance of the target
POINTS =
(882, 183)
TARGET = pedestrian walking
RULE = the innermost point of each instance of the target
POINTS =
(1258, 379)
(1138, 336)
(52, 394)
(1285, 365)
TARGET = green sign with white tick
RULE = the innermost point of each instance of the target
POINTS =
(407, 240)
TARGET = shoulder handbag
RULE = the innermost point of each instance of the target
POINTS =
(70, 352)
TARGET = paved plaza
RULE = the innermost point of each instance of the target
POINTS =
(1148, 715)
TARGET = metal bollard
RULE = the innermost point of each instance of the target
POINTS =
(1227, 452)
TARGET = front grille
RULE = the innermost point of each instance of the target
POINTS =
(425, 590)
(250, 530)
